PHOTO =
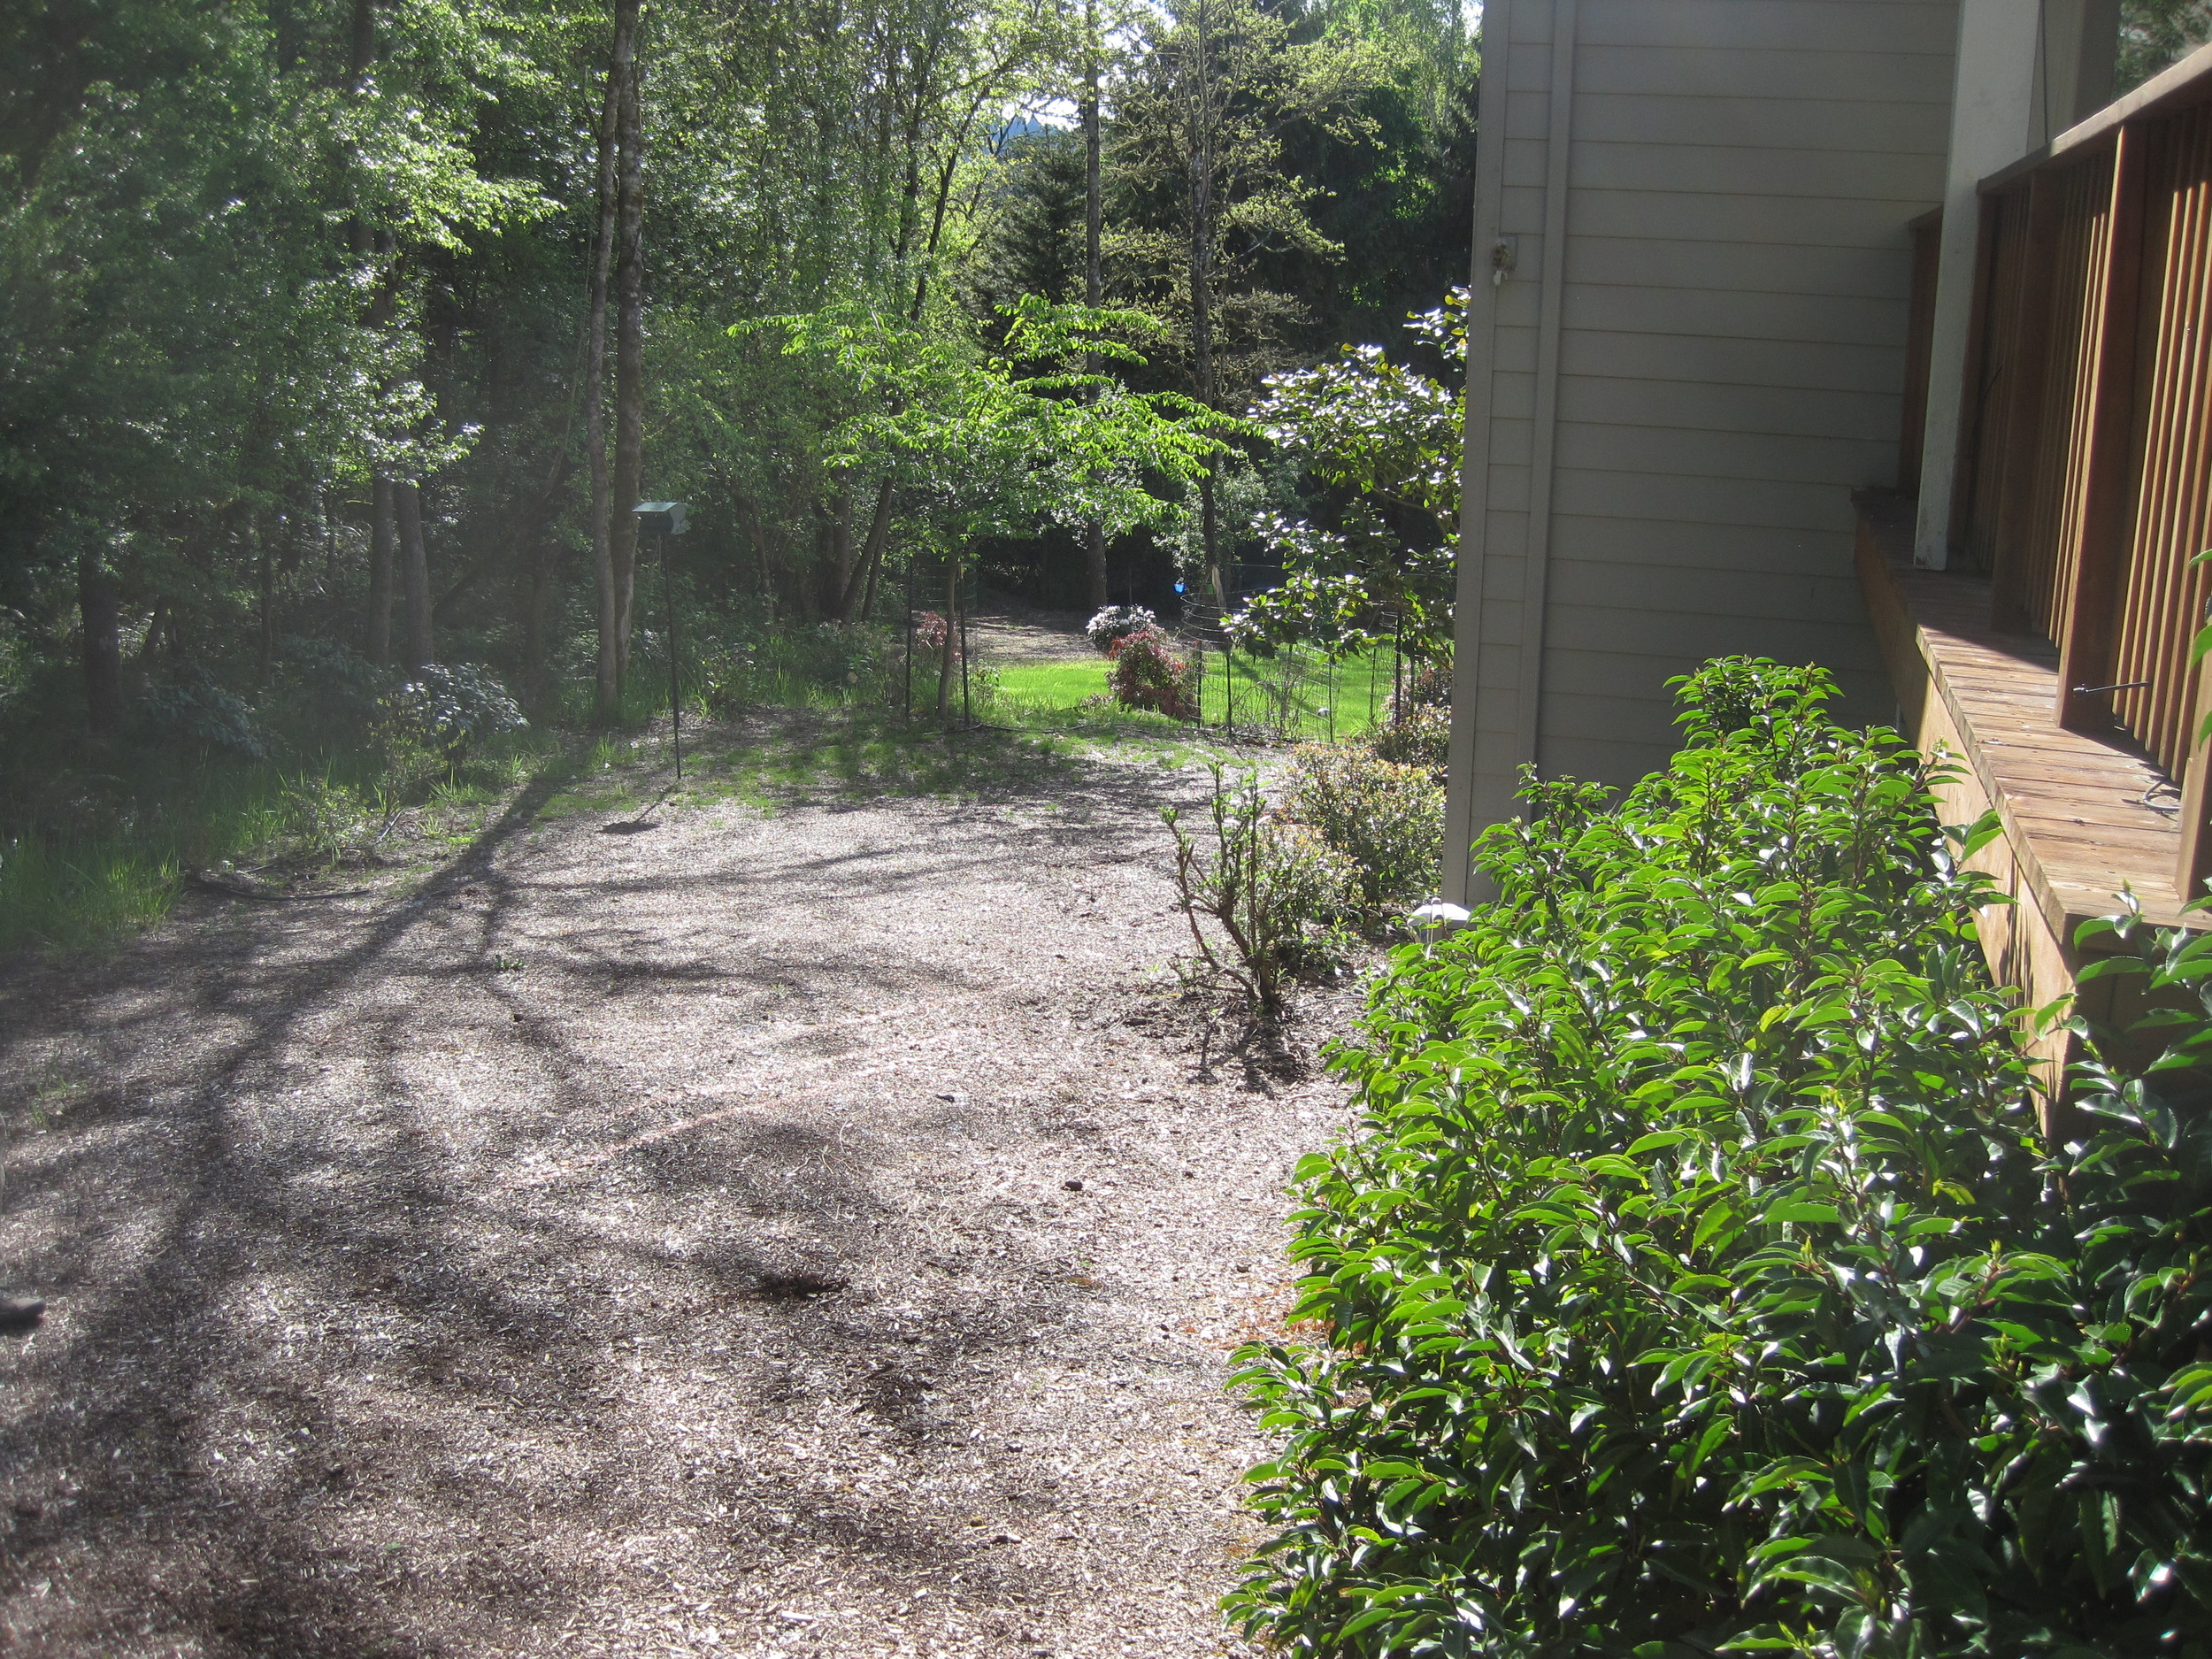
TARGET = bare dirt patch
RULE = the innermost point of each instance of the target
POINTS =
(794, 1234)
(1010, 630)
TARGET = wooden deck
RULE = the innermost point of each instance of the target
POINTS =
(2086, 815)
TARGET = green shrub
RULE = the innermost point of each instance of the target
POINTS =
(1389, 819)
(1421, 736)
(1273, 891)
(858, 663)
(1699, 1281)
(189, 706)
(449, 707)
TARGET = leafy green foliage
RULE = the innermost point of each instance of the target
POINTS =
(1387, 819)
(1699, 1281)
(448, 708)
(190, 705)
(2155, 34)
(1421, 736)
(1383, 439)
(1003, 438)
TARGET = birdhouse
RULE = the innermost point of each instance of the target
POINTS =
(662, 518)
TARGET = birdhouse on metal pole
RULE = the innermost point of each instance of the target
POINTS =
(662, 518)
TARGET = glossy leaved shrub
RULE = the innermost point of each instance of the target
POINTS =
(1699, 1281)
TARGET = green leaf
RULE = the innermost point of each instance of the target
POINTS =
(1801, 1211)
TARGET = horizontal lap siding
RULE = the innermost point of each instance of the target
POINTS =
(1737, 279)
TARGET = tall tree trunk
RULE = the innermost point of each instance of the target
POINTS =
(361, 49)
(102, 653)
(1201, 321)
(149, 648)
(757, 532)
(1201, 334)
(383, 537)
(414, 577)
(836, 567)
(1094, 276)
(607, 701)
(264, 651)
(629, 340)
(868, 599)
(862, 578)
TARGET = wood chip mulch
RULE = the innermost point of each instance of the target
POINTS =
(803, 1234)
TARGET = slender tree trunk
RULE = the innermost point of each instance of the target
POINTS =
(834, 572)
(149, 648)
(1202, 335)
(383, 537)
(757, 532)
(361, 48)
(1094, 276)
(868, 600)
(607, 700)
(862, 578)
(265, 652)
(1201, 322)
(414, 577)
(97, 610)
(629, 341)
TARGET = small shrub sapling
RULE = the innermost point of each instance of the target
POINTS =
(1388, 820)
(1273, 889)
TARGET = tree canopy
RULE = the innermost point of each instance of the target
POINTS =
(350, 328)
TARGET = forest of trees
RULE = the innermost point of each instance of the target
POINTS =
(347, 333)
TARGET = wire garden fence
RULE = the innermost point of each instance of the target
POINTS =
(1295, 691)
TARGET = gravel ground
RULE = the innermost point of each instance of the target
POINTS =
(788, 1234)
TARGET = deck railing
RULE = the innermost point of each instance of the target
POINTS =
(2085, 462)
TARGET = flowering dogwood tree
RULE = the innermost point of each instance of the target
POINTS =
(1383, 440)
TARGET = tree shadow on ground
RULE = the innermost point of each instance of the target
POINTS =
(321, 1385)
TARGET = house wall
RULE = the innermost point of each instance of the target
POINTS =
(1667, 423)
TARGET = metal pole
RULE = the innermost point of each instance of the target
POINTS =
(675, 693)
(1397, 668)
(967, 714)
(907, 713)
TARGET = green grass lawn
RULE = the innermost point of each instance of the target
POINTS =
(1320, 705)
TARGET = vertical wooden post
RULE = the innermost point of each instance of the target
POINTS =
(2086, 639)
(1974, 423)
(1927, 244)
(2195, 863)
(2023, 426)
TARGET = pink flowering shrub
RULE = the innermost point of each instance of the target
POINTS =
(1145, 673)
(929, 634)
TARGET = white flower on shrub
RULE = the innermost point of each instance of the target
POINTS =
(1118, 622)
